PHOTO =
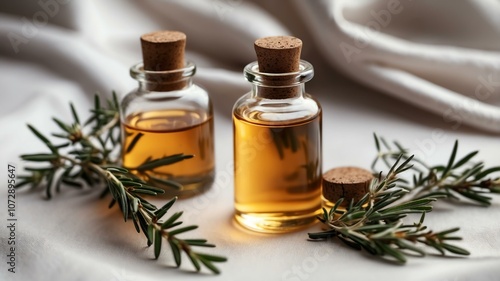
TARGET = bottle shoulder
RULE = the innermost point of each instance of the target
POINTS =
(277, 111)
(190, 92)
(191, 98)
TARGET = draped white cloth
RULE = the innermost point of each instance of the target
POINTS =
(380, 66)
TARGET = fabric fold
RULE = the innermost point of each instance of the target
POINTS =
(450, 80)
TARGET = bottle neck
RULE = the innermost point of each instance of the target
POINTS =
(278, 92)
(164, 84)
(278, 85)
(163, 81)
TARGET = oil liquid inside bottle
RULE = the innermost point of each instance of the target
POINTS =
(156, 134)
(277, 174)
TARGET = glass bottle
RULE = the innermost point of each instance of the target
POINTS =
(277, 151)
(168, 114)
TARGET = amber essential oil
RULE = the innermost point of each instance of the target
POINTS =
(277, 173)
(156, 134)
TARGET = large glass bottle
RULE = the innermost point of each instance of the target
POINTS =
(166, 115)
(277, 151)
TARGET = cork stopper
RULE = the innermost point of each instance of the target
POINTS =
(350, 183)
(278, 54)
(164, 51)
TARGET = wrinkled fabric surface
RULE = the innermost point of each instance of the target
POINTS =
(423, 72)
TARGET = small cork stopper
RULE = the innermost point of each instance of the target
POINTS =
(163, 51)
(278, 54)
(350, 183)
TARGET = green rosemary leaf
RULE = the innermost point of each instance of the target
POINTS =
(135, 205)
(75, 115)
(136, 224)
(165, 182)
(323, 235)
(384, 202)
(486, 172)
(175, 252)
(39, 169)
(400, 147)
(157, 243)
(63, 126)
(405, 245)
(363, 200)
(173, 225)
(377, 143)
(150, 188)
(63, 145)
(163, 161)
(122, 199)
(163, 210)
(363, 243)
(22, 183)
(405, 165)
(50, 178)
(410, 205)
(334, 209)
(40, 157)
(211, 257)
(456, 238)
(147, 205)
(210, 266)
(194, 261)
(349, 243)
(393, 167)
(452, 159)
(134, 142)
(97, 102)
(378, 227)
(90, 120)
(476, 197)
(436, 246)
(150, 232)
(42, 138)
(116, 103)
(171, 220)
(392, 252)
(326, 216)
(183, 229)
(355, 215)
(112, 203)
(293, 140)
(199, 242)
(470, 172)
(130, 183)
(61, 136)
(455, 249)
(465, 159)
(144, 191)
(384, 142)
(117, 170)
(278, 143)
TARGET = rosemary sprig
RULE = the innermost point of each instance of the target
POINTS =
(460, 178)
(89, 153)
(375, 223)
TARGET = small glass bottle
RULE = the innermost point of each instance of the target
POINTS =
(277, 141)
(166, 115)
